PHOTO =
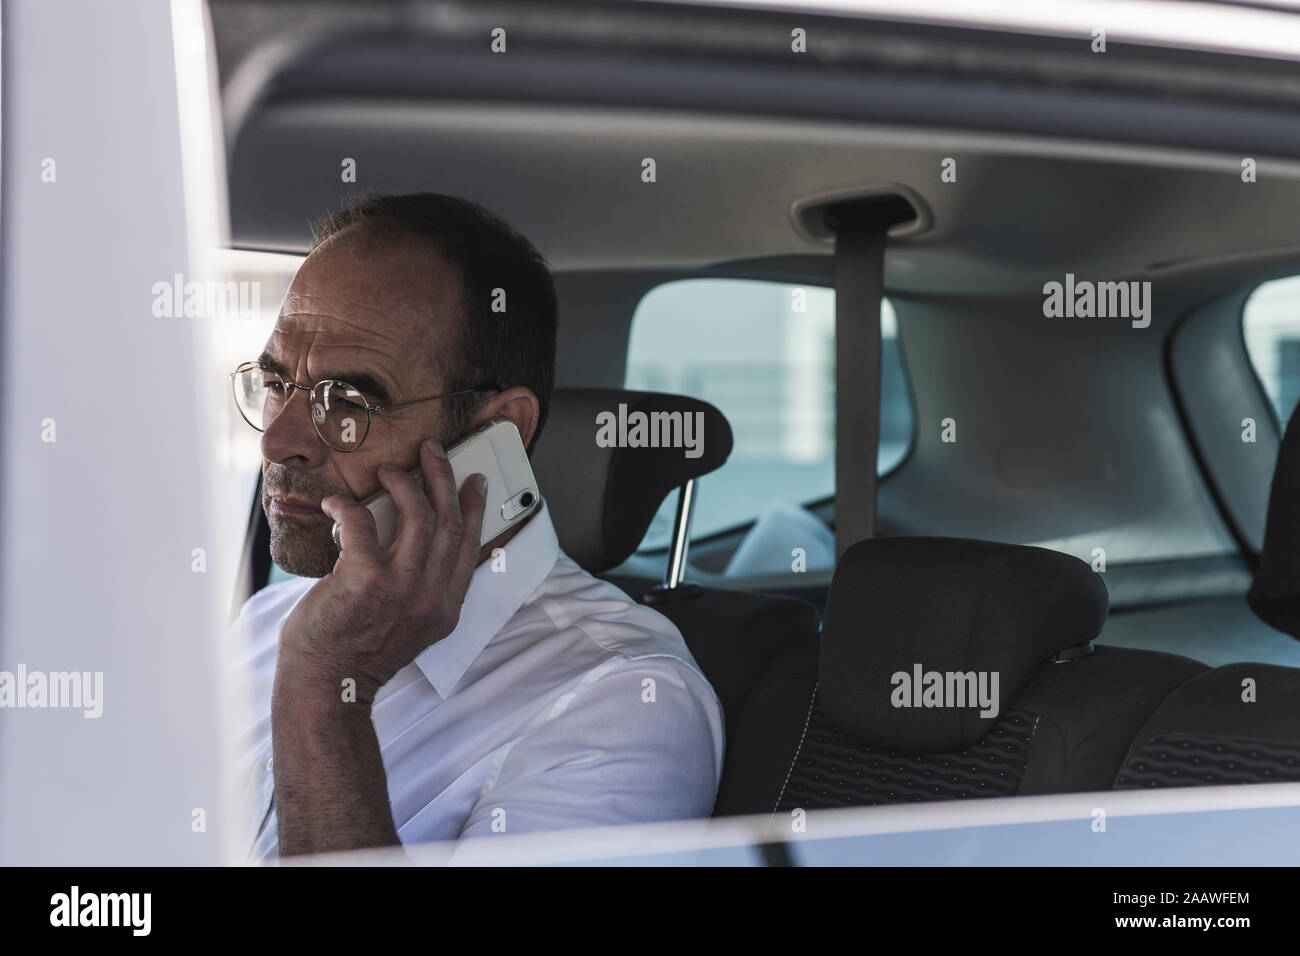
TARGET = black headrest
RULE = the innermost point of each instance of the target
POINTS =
(1274, 595)
(603, 468)
(945, 606)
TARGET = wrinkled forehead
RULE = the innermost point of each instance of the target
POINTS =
(390, 311)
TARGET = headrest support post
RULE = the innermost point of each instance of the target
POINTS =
(675, 572)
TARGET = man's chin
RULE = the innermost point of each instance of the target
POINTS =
(303, 558)
(301, 569)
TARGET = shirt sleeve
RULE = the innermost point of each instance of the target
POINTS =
(641, 744)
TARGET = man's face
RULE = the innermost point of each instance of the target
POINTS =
(384, 310)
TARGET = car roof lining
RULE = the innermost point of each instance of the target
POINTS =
(1023, 209)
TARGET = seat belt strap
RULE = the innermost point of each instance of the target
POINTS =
(860, 231)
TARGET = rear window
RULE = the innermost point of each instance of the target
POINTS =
(1271, 326)
(763, 353)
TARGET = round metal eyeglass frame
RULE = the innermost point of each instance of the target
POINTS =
(371, 410)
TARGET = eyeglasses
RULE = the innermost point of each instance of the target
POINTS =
(339, 412)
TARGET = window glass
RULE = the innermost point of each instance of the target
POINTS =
(763, 353)
(1271, 326)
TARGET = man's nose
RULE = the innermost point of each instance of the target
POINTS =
(291, 434)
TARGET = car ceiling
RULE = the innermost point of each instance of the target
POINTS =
(1026, 207)
(1019, 213)
(1060, 168)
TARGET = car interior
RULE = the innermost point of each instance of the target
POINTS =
(1075, 507)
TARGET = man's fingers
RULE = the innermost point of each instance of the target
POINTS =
(357, 532)
(415, 518)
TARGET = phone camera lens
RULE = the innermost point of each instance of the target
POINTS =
(526, 499)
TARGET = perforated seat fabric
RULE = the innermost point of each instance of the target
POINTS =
(1235, 724)
(1190, 760)
(787, 754)
(1068, 731)
(832, 769)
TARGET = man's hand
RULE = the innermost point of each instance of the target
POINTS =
(365, 620)
(378, 609)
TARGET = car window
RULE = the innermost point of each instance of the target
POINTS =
(763, 353)
(1271, 327)
(238, 338)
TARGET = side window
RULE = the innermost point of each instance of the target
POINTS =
(237, 338)
(763, 353)
(1271, 326)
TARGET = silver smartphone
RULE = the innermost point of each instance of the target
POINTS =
(494, 450)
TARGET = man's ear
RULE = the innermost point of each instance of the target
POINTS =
(518, 404)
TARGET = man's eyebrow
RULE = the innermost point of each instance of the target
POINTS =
(364, 381)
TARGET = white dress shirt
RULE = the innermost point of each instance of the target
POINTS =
(557, 702)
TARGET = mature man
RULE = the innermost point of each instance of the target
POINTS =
(421, 692)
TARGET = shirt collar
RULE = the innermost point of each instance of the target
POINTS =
(492, 599)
